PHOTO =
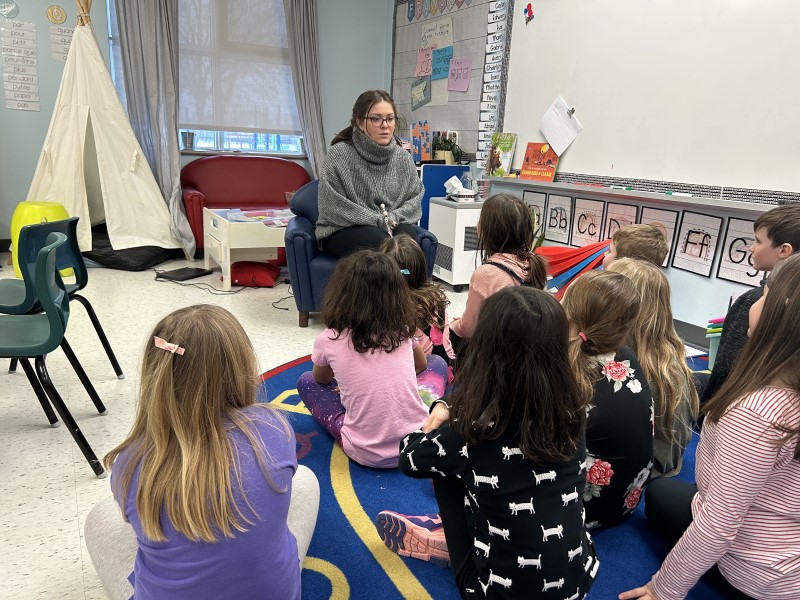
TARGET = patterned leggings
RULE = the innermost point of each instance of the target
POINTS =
(325, 404)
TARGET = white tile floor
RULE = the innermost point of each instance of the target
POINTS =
(46, 486)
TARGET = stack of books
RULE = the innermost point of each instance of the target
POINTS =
(713, 333)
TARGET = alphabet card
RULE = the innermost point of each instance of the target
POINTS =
(537, 203)
(736, 262)
(559, 219)
(666, 221)
(617, 217)
(697, 243)
(587, 224)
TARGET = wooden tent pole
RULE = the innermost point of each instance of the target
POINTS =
(84, 6)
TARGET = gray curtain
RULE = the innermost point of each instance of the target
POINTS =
(301, 33)
(148, 35)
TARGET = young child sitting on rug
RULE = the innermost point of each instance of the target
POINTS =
(369, 372)
(777, 237)
(663, 358)
(432, 328)
(740, 520)
(208, 479)
(507, 460)
(602, 307)
(505, 239)
(641, 241)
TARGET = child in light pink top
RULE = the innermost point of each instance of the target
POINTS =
(380, 372)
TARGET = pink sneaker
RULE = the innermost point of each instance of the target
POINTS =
(418, 537)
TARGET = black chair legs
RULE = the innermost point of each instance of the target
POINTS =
(12, 368)
(100, 333)
(76, 366)
(40, 394)
(69, 421)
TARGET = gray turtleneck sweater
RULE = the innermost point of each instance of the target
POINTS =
(356, 178)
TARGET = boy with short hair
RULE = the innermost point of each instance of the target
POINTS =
(641, 241)
(777, 237)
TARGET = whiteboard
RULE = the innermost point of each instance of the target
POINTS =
(701, 92)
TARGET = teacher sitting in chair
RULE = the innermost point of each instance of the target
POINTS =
(369, 188)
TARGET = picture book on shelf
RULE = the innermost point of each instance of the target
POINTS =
(501, 154)
(540, 162)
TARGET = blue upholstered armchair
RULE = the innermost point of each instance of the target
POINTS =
(309, 267)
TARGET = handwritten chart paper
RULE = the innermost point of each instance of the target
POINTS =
(441, 62)
(559, 219)
(538, 204)
(587, 224)
(697, 243)
(666, 221)
(460, 69)
(437, 33)
(560, 128)
(736, 262)
(424, 62)
(617, 217)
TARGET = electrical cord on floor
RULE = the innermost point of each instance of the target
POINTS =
(206, 287)
(291, 295)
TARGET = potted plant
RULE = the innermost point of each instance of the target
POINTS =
(446, 149)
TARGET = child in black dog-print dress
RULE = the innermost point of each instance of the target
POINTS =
(507, 460)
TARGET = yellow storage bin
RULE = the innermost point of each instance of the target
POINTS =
(31, 212)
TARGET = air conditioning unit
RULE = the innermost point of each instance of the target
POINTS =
(455, 226)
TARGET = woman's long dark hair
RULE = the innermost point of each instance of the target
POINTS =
(368, 297)
(430, 298)
(361, 109)
(772, 354)
(515, 376)
(505, 225)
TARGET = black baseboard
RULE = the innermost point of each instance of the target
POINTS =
(692, 335)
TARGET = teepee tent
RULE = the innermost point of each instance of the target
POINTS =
(91, 161)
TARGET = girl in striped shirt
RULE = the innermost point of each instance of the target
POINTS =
(741, 521)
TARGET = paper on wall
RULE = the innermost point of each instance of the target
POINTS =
(560, 128)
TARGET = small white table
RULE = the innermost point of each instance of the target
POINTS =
(227, 241)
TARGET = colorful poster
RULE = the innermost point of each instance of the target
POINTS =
(558, 219)
(458, 80)
(697, 243)
(736, 262)
(441, 62)
(666, 221)
(617, 217)
(587, 224)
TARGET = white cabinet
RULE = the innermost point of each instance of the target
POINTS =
(455, 226)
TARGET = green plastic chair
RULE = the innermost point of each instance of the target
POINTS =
(18, 297)
(33, 336)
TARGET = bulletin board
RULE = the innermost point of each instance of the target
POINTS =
(463, 24)
(669, 90)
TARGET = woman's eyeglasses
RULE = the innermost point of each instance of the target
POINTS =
(378, 121)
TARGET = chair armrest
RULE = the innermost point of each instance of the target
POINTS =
(429, 244)
(194, 201)
(301, 247)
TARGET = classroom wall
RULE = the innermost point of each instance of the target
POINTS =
(22, 132)
(347, 29)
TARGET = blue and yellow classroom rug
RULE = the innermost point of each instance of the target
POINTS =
(347, 559)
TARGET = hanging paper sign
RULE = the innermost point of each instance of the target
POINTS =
(420, 93)
(411, 6)
(417, 9)
(494, 58)
(481, 155)
(496, 38)
(442, 5)
(441, 62)
(489, 116)
(496, 47)
(485, 145)
(492, 77)
(458, 80)
(493, 67)
(434, 7)
(495, 6)
(424, 62)
(468, 2)
(490, 97)
(489, 106)
(426, 8)
(498, 27)
(459, 3)
(56, 14)
(485, 135)
(497, 16)
(486, 126)
(491, 87)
